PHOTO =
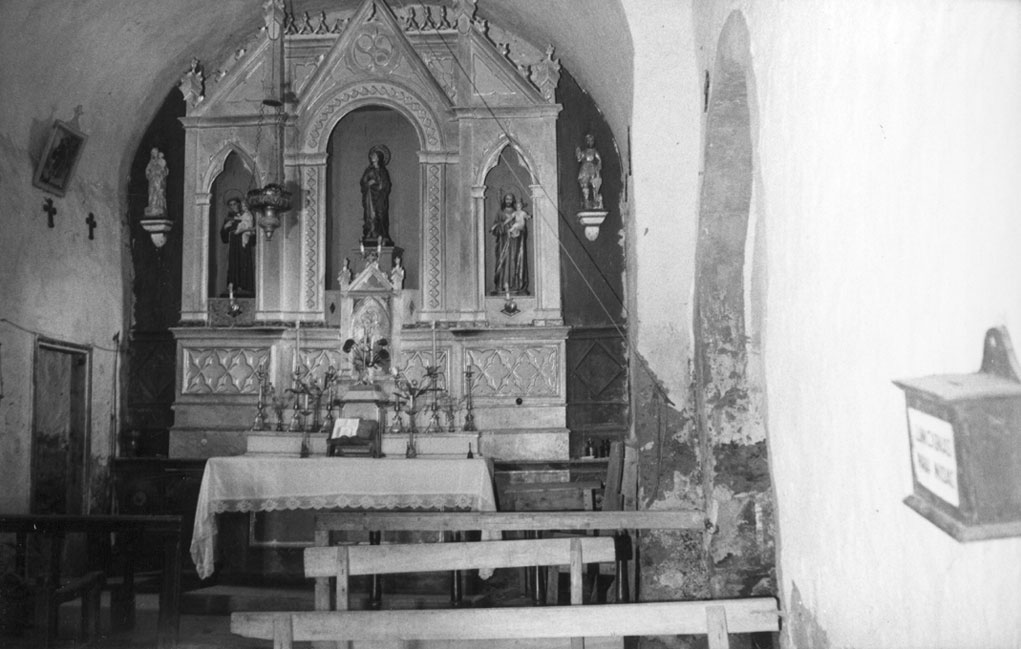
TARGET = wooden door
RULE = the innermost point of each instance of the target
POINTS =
(60, 439)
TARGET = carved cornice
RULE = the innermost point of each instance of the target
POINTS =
(301, 159)
(439, 157)
(227, 121)
(506, 112)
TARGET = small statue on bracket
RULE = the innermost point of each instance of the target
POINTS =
(590, 174)
(397, 274)
(345, 275)
(590, 181)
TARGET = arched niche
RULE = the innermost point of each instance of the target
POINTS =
(347, 157)
(509, 175)
(234, 181)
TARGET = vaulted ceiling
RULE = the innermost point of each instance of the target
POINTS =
(120, 58)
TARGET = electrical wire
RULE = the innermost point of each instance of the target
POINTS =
(551, 227)
(116, 336)
(624, 335)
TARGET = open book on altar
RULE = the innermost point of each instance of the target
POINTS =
(352, 436)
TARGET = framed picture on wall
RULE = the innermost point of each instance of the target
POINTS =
(56, 166)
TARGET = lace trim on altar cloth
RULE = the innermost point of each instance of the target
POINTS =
(428, 501)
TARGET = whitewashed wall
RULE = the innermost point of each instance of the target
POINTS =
(888, 185)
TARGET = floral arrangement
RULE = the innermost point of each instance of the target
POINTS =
(367, 355)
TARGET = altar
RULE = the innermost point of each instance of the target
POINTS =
(274, 483)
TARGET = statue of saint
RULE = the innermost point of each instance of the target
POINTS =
(345, 275)
(589, 174)
(238, 232)
(375, 185)
(156, 174)
(397, 274)
(510, 276)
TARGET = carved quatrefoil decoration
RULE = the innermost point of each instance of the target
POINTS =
(373, 50)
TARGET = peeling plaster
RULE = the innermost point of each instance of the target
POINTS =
(802, 629)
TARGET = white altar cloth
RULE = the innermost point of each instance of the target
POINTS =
(248, 484)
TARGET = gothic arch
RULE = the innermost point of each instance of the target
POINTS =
(217, 161)
(323, 117)
(491, 158)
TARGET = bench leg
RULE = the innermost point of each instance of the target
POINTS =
(716, 624)
(122, 600)
(169, 621)
(50, 607)
(552, 585)
(376, 590)
(91, 600)
(456, 595)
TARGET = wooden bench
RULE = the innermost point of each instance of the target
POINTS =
(596, 625)
(342, 562)
(621, 523)
(130, 532)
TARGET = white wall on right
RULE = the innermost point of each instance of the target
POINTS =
(887, 142)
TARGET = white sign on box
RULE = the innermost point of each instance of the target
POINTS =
(933, 455)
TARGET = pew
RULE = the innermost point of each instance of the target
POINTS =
(557, 626)
(130, 531)
(622, 523)
(389, 521)
(343, 561)
(594, 625)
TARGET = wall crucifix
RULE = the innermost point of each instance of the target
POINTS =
(91, 222)
(50, 210)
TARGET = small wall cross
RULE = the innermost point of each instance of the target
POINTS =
(91, 222)
(50, 210)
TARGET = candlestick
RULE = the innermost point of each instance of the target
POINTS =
(297, 346)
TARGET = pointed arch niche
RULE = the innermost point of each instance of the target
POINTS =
(347, 157)
(234, 181)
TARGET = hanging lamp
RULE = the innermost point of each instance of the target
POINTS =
(269, 202)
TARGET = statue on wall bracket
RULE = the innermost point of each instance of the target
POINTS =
(590, 180)
(375, 184)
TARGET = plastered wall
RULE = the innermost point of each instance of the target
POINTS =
(56, 283)
(887, 153)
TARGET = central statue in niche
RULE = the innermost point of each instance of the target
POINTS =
(376, 185)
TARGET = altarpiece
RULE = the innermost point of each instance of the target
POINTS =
(475, 121)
